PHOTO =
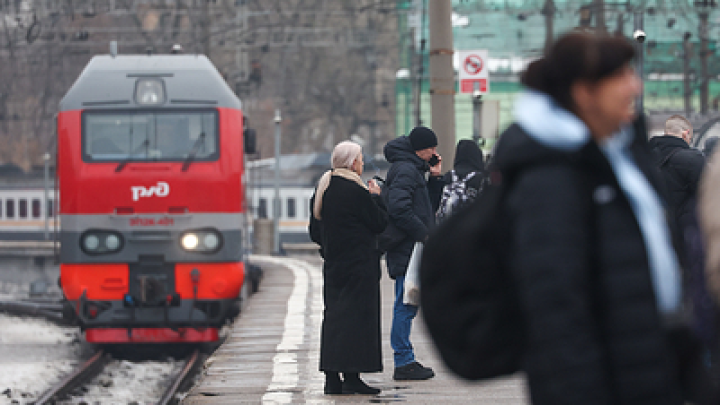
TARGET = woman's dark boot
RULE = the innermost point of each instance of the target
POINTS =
(354, 385)
(333, 383)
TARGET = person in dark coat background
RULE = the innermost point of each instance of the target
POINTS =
(346, 217)
(412, 201)
(681, 166)
(593, 255)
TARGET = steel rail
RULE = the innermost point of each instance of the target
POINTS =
(190, 364)
(51, 312)
(86, 372)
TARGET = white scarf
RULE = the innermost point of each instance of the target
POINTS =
(325, 182)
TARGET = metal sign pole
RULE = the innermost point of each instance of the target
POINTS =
(639, 14)
(276, 200)
(46, 159)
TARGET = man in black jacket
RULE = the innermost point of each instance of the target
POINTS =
(411, 201)
(681, 167)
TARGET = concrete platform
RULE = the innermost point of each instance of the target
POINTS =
(272, 354)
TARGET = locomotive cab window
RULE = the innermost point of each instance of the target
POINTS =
(150, 136)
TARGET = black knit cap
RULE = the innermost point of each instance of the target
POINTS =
(422, 138)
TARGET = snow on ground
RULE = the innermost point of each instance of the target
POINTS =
(34, 354)
(124, 382)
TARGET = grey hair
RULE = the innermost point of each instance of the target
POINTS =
(345, 154)
(676, 124)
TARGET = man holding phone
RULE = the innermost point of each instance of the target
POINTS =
(411, 199)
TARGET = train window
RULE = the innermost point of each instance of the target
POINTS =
(150, 136)
(36, 208)
(10, 208)
(22, 208)
(262, 208)
(290, 208)
(50, 208)
(1, 208)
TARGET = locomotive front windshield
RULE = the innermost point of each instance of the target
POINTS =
(149, 136)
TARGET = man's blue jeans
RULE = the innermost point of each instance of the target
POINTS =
(403, 316)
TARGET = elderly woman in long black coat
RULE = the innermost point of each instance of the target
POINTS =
(347, 216)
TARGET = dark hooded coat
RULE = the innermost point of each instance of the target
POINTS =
(411, 200)
(350, 340)
(594, 333)
(682, 167)
(468, 159)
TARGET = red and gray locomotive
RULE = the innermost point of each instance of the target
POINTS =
(150, 177)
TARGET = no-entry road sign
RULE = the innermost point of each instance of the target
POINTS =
(473, 71)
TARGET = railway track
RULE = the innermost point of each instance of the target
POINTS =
(85, 373)
(51, 311)
(95, 365)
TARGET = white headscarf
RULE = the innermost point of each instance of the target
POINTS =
(343, 157)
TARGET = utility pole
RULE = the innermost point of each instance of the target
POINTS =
(639, 14)
(276, 199)
(548, 11)
(687, 92)
(599, 6)
(704, 82)
(419, 78)
(442, 77)
(46, 183)
(206, 28)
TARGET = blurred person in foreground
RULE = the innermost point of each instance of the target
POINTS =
(593, 258)
(709, 221)
(709, 146)
(346, 217)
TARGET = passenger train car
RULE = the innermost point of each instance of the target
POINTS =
(151, 199)
(27, 213)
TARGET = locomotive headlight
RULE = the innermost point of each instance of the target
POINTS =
(190, 241)
(149, 91)
(211, 241)
(98, 241)
(112, 242)
(206, 240)
(91, 242)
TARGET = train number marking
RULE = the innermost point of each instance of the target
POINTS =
(165, 221)
(162, 189)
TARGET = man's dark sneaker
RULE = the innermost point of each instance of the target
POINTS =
(413, 371)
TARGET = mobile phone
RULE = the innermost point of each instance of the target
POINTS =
(434, 160)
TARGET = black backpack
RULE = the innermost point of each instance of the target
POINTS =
(469, 300)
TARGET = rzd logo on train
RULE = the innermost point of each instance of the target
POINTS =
(162, 189)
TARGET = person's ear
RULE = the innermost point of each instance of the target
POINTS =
(686, 136)
(581, 93)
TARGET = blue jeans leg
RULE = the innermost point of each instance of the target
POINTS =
(403, 316)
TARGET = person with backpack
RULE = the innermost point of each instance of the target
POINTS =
(588, 256)
(465, 181)
(411, 201)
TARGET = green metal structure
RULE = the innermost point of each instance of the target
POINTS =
(514, 33)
